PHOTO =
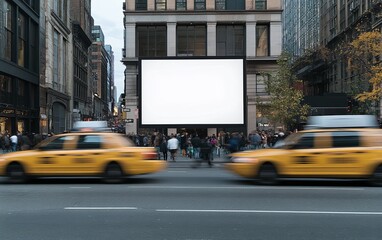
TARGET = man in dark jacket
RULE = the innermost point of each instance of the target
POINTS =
(195, 141)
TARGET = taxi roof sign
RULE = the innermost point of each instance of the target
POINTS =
(342, 121)
(90, 126)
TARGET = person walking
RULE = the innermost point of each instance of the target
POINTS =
(163, 148)
(172, 146)
(14, 141)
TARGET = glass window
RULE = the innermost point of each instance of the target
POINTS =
(6, 31)
(58, 143)
(181, 4)
(262, 40)
(151, 41)
(141, 5)
(305, 142)
(261, 4)
(89, 142)
(345, 139)
(160, 4)
(200, 5)
(5, 89)
(220, 5)
(55, 57)
(33, 48)
(230, 40)
(191, 40)
(21, 28)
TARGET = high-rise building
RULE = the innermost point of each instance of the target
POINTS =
(19, 66)
(56, 66)
(250, 29)
(301, 26)
(80, 12)
(100, 63)
(324, 71)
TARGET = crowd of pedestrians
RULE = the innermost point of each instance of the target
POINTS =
(18, 141)
(205, 148)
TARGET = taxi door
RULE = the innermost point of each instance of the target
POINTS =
(305, 158)
(51, 158)
(88, 155)
(345, 156)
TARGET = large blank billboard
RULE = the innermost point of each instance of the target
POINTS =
(180, 92)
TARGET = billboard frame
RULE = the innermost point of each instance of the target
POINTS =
(139, 86)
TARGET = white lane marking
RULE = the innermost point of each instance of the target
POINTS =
(255, 188)
(100, 208)
(79, 187)
(268, 211)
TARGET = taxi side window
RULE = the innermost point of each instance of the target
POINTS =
(346, 139)
(56, 144)
(89, 142)
(306, 141)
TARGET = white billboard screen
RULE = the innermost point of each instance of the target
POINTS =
(192, 92)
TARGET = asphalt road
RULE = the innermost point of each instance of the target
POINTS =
(189, 204)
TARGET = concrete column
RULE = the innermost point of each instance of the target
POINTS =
(211, 39)
(171, 39)
(130, 5)
(150, 5)
(171, 131)
(210, 4)
(251, 115)
(249, 4)
(171, 5)
(276, 38)
(130, 40)
(190, 4)
(251, 39)
(211, 131)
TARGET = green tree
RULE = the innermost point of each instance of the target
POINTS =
(285, 104)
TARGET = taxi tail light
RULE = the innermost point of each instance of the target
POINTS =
(150, 156)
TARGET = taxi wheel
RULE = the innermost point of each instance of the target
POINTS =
(113, 173)
(16, 173)
(376, 178)
(267, 174)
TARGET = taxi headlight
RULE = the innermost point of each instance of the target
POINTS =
(244, 160)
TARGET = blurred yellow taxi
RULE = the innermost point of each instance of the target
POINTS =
(320, 152)
(107, 155)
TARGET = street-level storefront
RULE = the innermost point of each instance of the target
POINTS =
(14, 120)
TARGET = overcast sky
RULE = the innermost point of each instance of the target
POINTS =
(109, 15)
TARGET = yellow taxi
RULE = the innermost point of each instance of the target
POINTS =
(320, 152)
(108, 155)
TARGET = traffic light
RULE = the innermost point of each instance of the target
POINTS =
(122, 100)
(350, 105)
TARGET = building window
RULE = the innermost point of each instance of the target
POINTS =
(261, 85)
(151, 41)
(6, 43)
(261, 4)
(60, 9)
(230, 5)
(230, 40)
(55, 59)
(33, 47)
(5, 89)
(160, 4)
(191, 40)
(181, 5)
(200, 5)
(262, 40)
(141, 5)
(21, 28)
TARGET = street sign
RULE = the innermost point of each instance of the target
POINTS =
(127, 110)
(129, 120)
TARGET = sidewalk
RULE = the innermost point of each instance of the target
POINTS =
(185, 162)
